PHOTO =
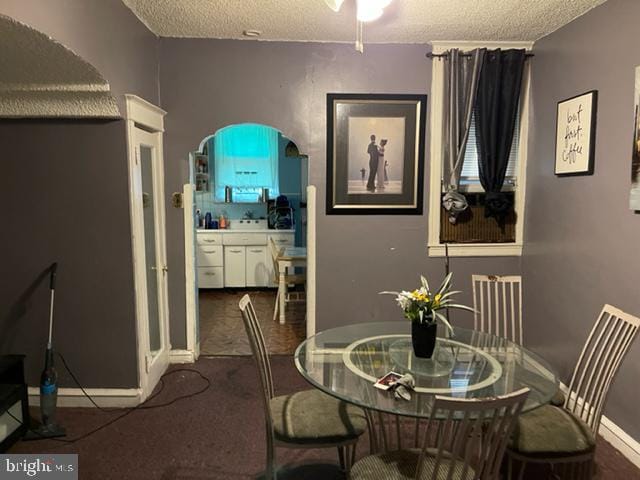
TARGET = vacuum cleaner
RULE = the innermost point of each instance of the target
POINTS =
(48, 381)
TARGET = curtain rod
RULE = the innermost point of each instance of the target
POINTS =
(443, 55)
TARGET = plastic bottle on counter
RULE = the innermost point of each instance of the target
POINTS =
(207, 220)
(222, 222)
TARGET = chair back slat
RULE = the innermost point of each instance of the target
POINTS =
(259, 349)
(497, 301)
(275, 254)
(471, 434)
(598, 363)
(474, 432)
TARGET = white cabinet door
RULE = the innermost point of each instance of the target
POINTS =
(210, 277)
(234, 266)
(257, 267)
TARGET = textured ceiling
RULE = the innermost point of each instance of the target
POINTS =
(404, 21)
(39, 77)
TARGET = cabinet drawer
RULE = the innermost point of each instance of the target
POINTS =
(245, 239)
(210, 277)
(210, 256)
(209, 238)
(283, 239)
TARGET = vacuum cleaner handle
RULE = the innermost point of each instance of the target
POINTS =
(52, 279)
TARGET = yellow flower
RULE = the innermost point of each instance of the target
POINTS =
(419, 296)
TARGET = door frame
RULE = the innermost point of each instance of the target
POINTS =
(145, 119)
(192, 321)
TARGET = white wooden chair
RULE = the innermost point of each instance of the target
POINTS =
(446, 445)
(290, 279)
(305, 419)
(565, 437)
(497, 301)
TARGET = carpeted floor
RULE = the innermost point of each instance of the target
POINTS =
(216, 435)
(222, 331)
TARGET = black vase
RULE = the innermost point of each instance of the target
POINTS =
(423, 337)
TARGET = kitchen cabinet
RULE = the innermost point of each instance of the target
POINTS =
(257, 268)
(210, 260)
(237, 259)
(235, 266)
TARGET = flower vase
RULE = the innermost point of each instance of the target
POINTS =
(423, 338)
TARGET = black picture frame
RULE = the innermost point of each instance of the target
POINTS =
(589, 168)
(403, 115)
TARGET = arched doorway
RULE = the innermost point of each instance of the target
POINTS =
(252, 180)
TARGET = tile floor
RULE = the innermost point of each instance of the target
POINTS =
(222, 331)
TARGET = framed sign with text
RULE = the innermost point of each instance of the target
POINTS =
(576, 134)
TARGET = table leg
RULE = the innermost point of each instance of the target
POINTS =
(282, 288)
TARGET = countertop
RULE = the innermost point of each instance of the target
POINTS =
(266, 231)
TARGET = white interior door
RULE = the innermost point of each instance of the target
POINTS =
(150, 257)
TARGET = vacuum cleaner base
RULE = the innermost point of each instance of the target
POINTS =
(41, 431)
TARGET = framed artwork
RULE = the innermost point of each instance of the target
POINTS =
(576, 134)
(634, 199)
(375, 153)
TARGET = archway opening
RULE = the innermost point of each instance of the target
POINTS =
(250, 210)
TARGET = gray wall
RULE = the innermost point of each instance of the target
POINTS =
(581, 246)
(103, 32)
(65, 185)
(208, 84)
(66, 199)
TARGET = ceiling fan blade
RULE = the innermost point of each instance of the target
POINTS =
(334, 4)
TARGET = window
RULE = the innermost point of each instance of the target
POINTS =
(246, 159)
(470, 178)
(474, 235)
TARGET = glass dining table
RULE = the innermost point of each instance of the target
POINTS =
(345, 362)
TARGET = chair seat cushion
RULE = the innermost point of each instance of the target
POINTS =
(551, 430)
(402, 464)
(313, 417)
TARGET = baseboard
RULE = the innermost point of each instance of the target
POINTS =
(104, 397)
(621, 440)
(616, 436)
(181, 356)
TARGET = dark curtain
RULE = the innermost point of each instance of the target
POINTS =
(495, 112)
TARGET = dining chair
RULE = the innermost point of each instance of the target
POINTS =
(565, 437)
(449, 442)
(497, 301)
(305, 419)
(290, 279)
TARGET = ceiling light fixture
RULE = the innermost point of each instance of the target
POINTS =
(366, 11)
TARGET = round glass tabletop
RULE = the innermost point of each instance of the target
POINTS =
(345, 362)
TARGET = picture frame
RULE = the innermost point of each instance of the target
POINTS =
(634, 195)
(576, 134)
(367, 131)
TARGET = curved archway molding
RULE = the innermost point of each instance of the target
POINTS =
(42, 78)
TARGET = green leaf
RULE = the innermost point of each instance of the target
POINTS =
(425, 284)
(444, 320)
(460, 307)
(446, 284)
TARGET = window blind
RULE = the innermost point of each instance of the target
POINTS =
(470, 173)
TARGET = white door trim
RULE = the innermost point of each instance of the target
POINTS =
(311, 260)
(141, 114)
(193, 346)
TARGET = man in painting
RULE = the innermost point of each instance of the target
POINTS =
(372, 150)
